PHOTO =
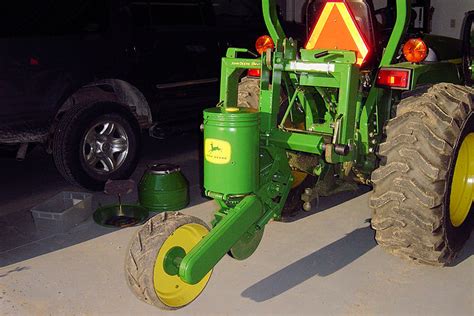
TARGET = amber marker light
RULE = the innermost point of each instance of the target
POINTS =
(415, 50)
(263, 43)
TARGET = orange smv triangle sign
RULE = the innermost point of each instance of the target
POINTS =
(336, 29)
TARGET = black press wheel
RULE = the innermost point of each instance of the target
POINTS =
(97, 142)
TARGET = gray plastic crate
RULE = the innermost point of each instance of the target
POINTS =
(63, 211)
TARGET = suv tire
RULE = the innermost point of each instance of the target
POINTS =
(96, 142)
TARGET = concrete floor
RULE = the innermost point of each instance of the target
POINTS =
(36, 179)
(321, 263)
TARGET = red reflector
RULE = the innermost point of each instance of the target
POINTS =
(394, 78)
(34, 61)
(253, 73)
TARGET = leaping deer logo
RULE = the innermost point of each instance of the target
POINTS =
(214, 148)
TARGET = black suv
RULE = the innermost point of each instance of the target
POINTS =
(85, 77)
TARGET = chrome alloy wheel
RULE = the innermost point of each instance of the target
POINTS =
(105, 147)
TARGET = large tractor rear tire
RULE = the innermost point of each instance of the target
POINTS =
(424, 188)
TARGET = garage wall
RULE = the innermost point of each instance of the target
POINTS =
(448, 16)
(293, 10)
(445, 12)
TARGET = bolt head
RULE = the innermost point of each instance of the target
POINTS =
(307, 206)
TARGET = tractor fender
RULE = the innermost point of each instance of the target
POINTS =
(430, 73)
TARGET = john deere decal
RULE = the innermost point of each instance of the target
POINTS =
(217, 151)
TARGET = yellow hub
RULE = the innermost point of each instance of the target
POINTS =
(462, 185)
(171, 290)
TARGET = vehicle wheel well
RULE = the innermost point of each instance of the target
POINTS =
(114, 90)
(107, 90)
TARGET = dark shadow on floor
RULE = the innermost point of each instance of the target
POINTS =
(17, 269)
(36, 179)
(322, 262)
(466, 252)
(328, 202)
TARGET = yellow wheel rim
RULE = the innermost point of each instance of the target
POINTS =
(298, 178)
(171, 290)
(462, 185)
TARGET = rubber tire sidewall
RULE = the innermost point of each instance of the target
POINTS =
(151, 241)
(69, 140)
(457, 236)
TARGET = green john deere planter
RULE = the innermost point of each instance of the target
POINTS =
(227, 129)
(354, 104)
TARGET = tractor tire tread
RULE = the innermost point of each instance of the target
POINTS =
(143, 249)
(410, 184)
(249, 93)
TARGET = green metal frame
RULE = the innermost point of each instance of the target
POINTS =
(343, 124)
